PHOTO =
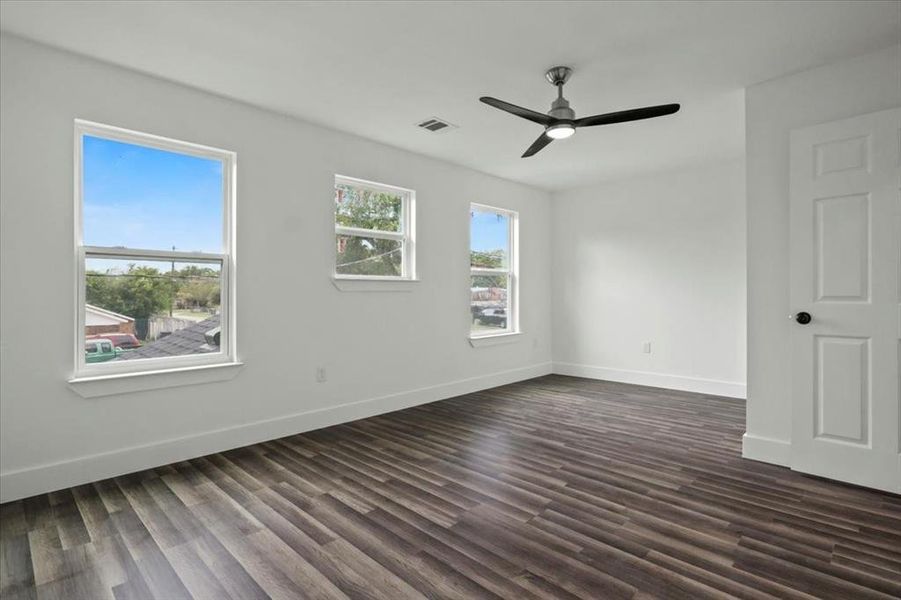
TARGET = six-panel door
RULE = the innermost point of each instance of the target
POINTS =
(846, 258)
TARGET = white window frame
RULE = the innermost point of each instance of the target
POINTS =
(225, 259)
(512, 271)
(406, 235)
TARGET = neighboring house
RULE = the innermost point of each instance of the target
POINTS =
(485, 294)
(100, 320)
(200, 338)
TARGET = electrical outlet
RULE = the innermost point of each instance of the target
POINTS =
(646, 347)
(321, 375)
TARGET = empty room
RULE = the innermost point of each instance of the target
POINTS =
(408, 299)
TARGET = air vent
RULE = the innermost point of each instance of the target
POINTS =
(435, 125)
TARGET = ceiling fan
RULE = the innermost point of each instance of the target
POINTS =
(560, 122)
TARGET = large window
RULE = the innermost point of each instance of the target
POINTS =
(154, 252)
(373, 230)
(493, 266)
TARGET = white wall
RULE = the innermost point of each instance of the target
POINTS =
(382, 350)
(661, 259)
(864, 84)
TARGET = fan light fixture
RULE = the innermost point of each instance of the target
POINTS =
(560, 132)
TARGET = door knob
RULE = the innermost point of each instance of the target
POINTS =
(803, 318)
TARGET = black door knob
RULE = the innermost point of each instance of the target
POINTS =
(803, 318)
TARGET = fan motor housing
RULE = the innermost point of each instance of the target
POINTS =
(560, 109)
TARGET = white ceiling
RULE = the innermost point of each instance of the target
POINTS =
(376, 68)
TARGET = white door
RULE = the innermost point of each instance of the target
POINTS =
(846, 273)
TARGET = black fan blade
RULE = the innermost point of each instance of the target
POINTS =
(542, 141)
(525, 113)
(635, 114)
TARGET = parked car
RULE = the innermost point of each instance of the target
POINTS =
(126, 341)
(492, 316)
(100, 350)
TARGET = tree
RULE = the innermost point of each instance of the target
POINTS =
(198, 292)
(189, 271)
(140, 292)
(197, 287)
(368, 209)
(487, 259)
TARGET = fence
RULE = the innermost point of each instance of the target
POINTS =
(156, 327)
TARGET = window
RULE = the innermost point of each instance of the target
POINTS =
(154, 252)
(373, 231)
(493, 271)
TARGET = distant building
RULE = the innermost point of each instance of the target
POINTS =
(100, 320)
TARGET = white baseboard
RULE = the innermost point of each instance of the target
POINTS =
(49, 477)
(764, 449)
(732, 389)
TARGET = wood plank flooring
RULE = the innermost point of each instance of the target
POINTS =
(556, 487)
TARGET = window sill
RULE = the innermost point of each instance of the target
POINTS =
(495, 339)
(372, 284)
(124, 383)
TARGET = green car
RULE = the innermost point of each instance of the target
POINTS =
(100, 350)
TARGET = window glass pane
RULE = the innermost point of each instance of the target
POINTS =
(145, 198)
(488, 303)
(369, 256)
(368, 209)
(150, 309)
(489, 239)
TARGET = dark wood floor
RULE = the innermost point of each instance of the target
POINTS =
(552, 488)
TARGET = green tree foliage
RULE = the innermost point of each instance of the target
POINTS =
(139, 293)
(489, 281)
(189, 271)
(198, 293)
(368, 209)
(142, 292)
(198, 287)
(490, 259)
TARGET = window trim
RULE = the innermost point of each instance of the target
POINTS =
(225, 259)
(406, 236)
(512, 273)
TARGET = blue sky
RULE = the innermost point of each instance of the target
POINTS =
(146, 198)
(489, 231)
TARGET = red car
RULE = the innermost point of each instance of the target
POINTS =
(126, 341)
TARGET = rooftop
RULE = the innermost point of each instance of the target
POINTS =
(200, 338)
